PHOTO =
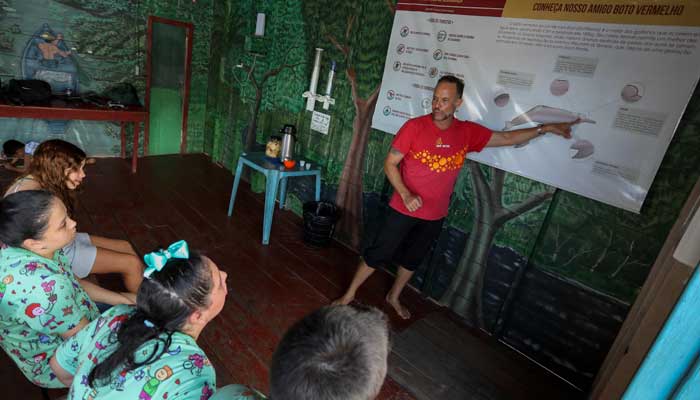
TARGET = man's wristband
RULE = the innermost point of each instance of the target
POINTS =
(540, 130)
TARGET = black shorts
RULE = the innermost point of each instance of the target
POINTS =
(403, 240)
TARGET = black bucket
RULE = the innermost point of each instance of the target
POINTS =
(319, 222)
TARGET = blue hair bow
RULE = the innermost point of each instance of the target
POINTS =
(156, 261)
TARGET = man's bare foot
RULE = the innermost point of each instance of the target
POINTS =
(343, 301)
(401, 310)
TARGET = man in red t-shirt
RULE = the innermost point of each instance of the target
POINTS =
(422, 166)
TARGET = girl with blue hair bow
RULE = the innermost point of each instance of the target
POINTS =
(149, 350)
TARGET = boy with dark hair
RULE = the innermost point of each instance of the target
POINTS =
(18, 155)
(11, 147)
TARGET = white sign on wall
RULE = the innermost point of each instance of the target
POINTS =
(627, 73)
(320, 122)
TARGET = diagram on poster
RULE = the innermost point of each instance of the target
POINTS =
(625, 70)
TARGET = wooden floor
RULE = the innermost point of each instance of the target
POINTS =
(270, 287)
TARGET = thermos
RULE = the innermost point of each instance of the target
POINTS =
(288, 138)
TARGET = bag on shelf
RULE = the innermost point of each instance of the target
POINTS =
(28, 91)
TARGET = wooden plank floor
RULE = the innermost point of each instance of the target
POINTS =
(270, 287)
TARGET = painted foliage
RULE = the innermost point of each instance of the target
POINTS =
(252, 77)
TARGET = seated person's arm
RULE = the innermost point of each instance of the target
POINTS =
(71, 332)
(11, 164)
(64, 376)
(67, 352)
(99, 294)
(57, 300)
(27, 161)
(63, 314)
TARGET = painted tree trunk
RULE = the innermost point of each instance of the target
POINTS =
(467, 301)
(253, 122)
(349, 195)
(464, 294)
(223, 147)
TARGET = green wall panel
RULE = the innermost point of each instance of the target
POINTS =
(166, 121)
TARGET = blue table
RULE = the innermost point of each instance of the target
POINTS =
(275, 175)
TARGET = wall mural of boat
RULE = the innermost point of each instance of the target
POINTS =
(46, 56)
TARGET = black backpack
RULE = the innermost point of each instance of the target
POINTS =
(28, 91)
(122, 93)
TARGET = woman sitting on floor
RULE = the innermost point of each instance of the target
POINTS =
(149, 350)
(57, 166)
(41, 303)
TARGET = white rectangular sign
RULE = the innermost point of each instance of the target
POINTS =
(320, 122)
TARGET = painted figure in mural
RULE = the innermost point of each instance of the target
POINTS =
(422, 166)
(58, 166)
(149, 351)
(47, 57)
(52, 48)
(334, 353)
(42, 303)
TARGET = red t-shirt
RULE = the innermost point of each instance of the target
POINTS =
(432, 161)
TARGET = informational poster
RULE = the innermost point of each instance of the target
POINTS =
(626, 69)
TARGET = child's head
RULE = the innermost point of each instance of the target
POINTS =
(58, 167)
(56, 161)
(334, 353)
(13, 149)
(35, 220)
(182, 292)
(184, 286)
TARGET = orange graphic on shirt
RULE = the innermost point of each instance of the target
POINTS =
(438, 163)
